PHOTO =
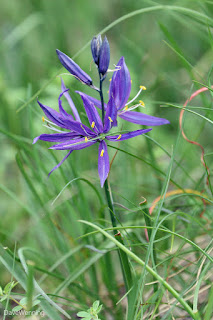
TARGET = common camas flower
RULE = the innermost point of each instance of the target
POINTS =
(69, 131)
(79, 136)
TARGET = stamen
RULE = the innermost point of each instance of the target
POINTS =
(142, 103)
(110, 119)
(135, 106)
(49, 122)
(117, 68)
(118, 138)
(135, 96)
(86, 139)
(93, 124)
(110, 79)
(143, 87)
(51, 128)
(83, 129)
(131, 80)
(102, 153)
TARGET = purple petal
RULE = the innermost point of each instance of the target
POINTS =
(76, 144)
(92, 113)
(56, 137)
(53, 115)
(61, 109)
(111, 115)
(103, 162)
(142, 118)
(104, 57)
(96, 102)
(69, 100)
(73, 68)
(58, 165)
(127, 135)
(120, 85)
(79, 128)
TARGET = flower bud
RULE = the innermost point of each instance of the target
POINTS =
(74, 69)
(95, 48)
(104, 57)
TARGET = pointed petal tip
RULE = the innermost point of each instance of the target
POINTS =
(63, 87)
(166, 121)
(49, 173)
(39, 103)
(35, 140)
(102, 183)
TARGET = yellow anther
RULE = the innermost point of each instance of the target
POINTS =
(142, 87)
(110, 80)
(86, 139)
(126, 108)
(93, 124)
(43, 119)
(108, 91)
(110, 119)
(102, 153)
(131, 80)
(142, 103)
(118, 138)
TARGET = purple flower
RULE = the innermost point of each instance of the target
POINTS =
(74, 69)
(95, 48)
(101, 53)
(104, 57)
(120, 88)
(79, 136)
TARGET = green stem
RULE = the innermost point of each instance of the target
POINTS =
(110, 204)
(102, 98)
(125, 266)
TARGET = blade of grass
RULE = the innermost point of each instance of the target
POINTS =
(81, 269)
(20, 276)
(193, 244)
(191, 111)
(37, 287)
(209, 309)
(148, 268)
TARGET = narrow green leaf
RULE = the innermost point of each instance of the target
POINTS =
(148, 268)
(209, 309)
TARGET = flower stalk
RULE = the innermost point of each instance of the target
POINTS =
(124, 262)
(102, 98)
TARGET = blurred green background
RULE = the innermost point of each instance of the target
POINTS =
(165, 50)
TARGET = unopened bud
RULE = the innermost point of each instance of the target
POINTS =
(104, 57)
(95, 48)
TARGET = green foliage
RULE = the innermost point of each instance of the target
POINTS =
(4, 293)
(91, 313)
(168, 48)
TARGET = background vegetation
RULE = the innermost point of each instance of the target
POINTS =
(169, 50)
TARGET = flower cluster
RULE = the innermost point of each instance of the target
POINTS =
(75, 135)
